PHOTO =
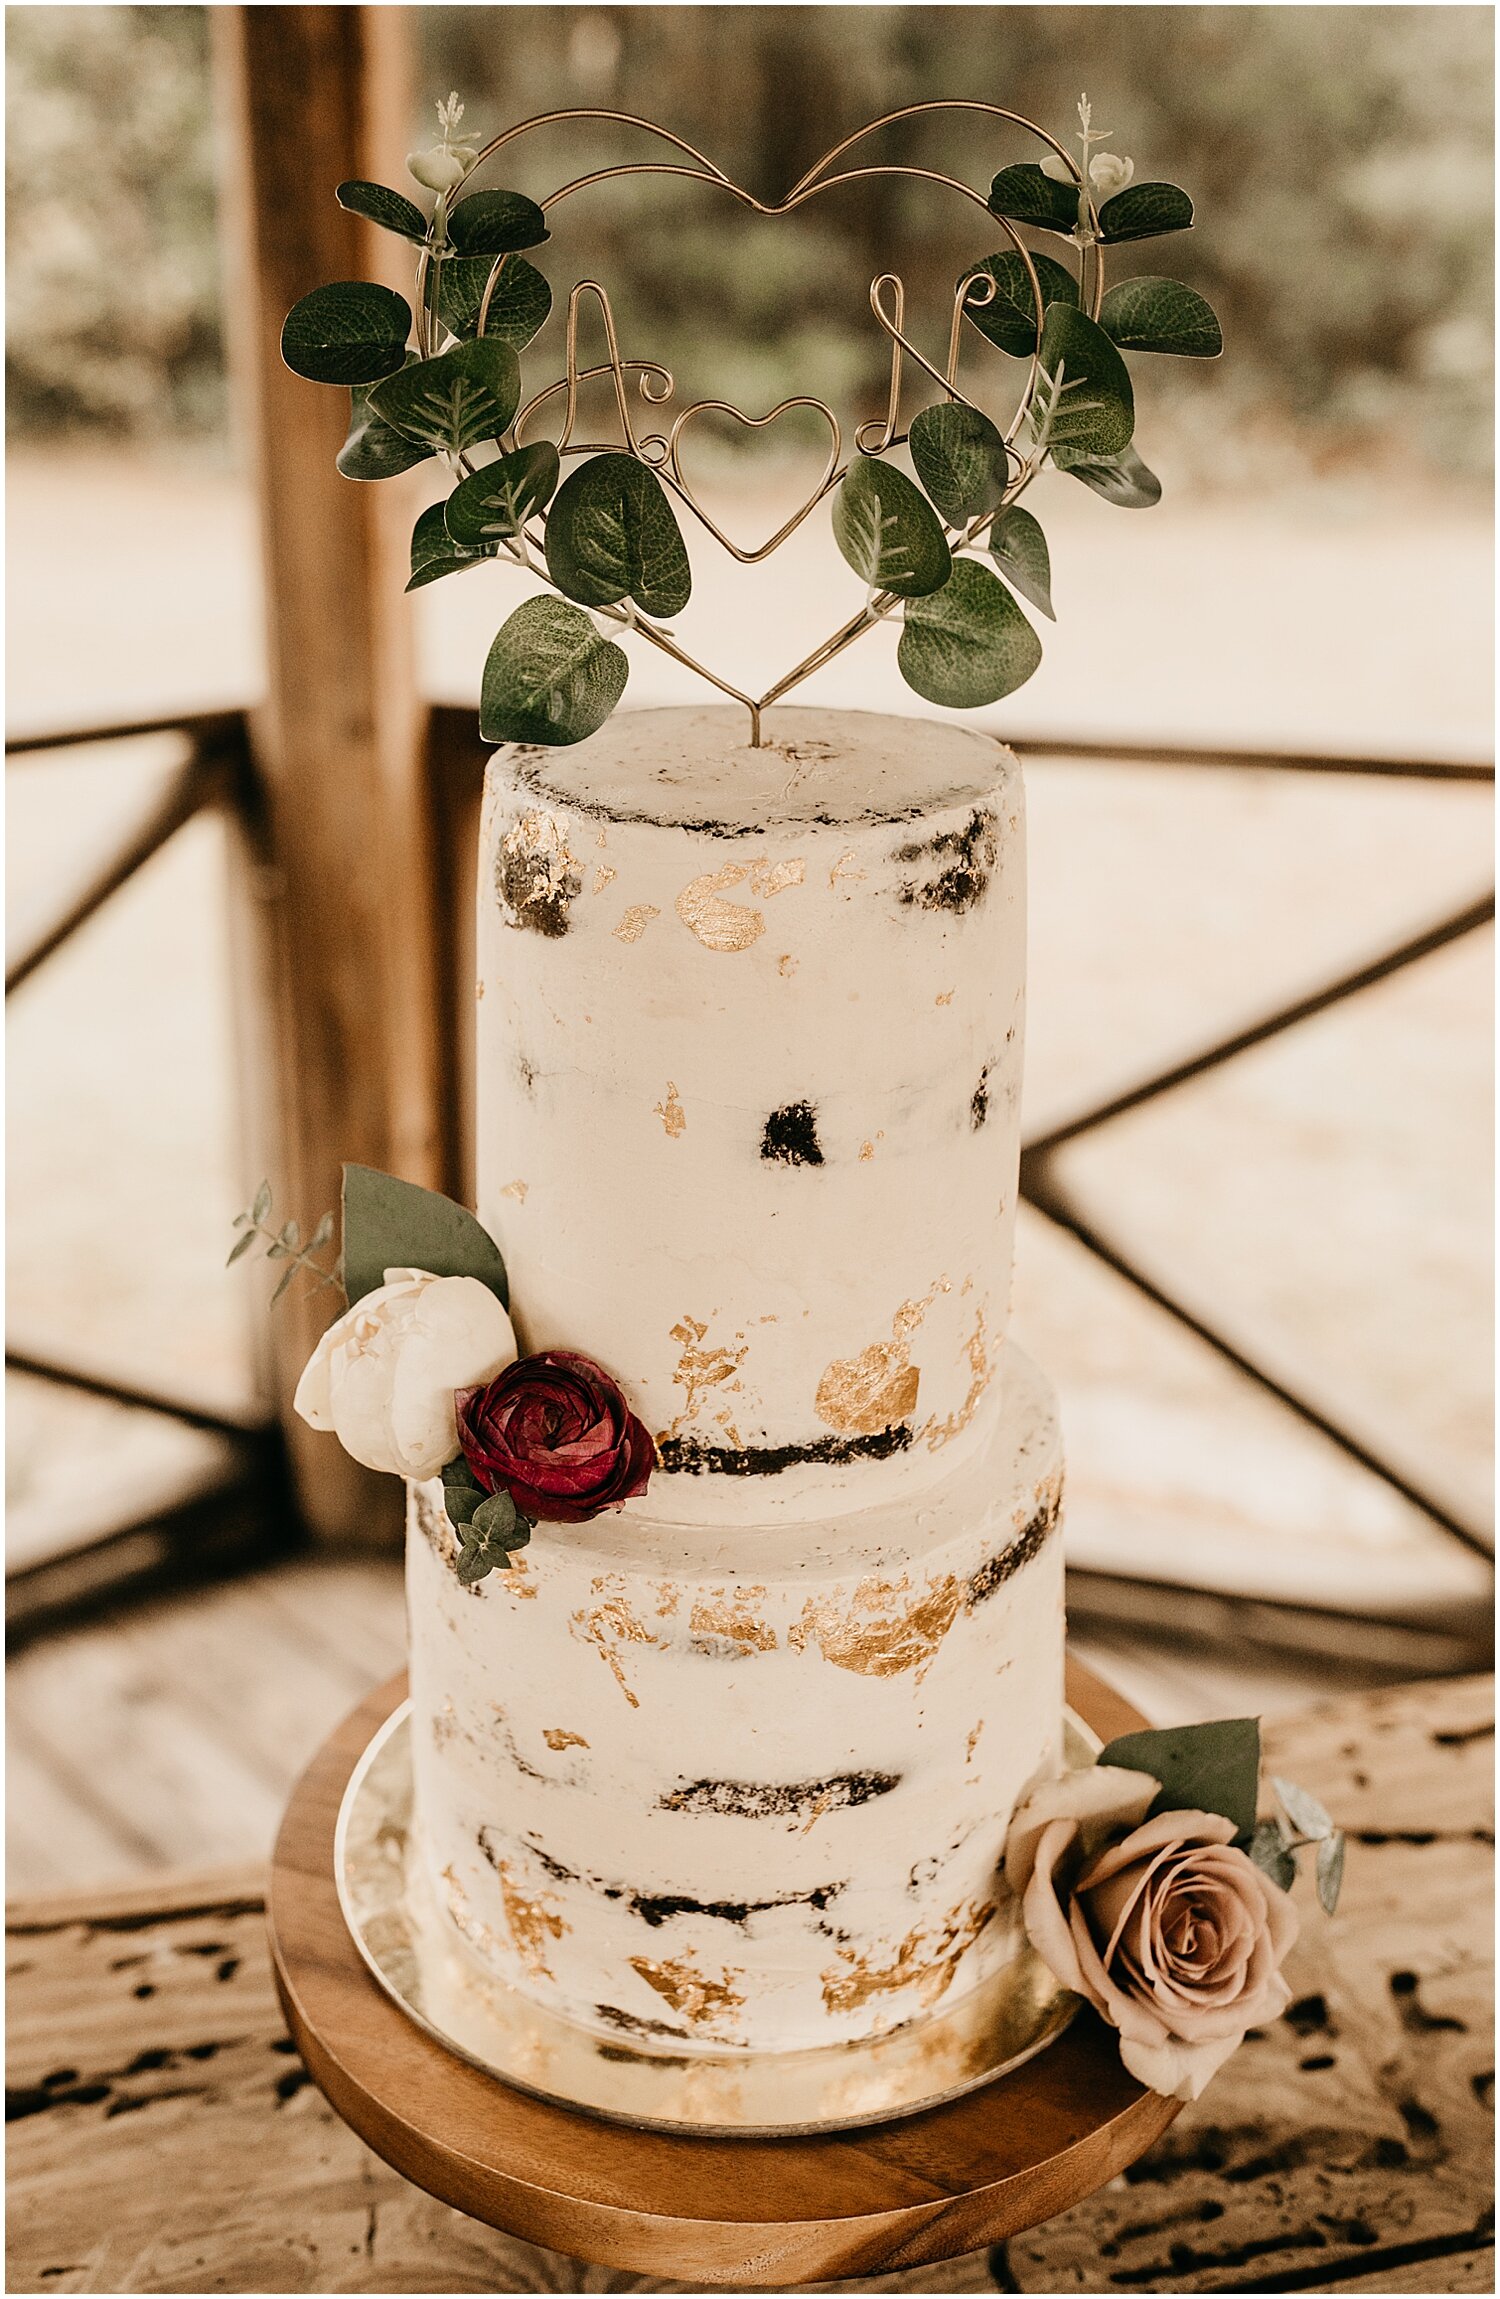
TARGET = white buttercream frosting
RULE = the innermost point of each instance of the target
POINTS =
(746, 1786)
(749, 1058)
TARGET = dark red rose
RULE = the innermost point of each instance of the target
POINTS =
(555, 1432)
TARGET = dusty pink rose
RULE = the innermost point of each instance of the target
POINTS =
(554, 1431)
(1169, 1931)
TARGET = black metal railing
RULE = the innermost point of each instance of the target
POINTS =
(217, 771)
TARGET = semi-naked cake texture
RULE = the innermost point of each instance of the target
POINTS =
(709, 1788)
(734, 1766)
(749, 1061)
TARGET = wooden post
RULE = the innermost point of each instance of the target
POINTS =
(312, 95)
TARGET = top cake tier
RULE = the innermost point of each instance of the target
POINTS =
(749, 1066)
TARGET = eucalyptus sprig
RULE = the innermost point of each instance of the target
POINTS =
(285, 1244)
(1300, 1823)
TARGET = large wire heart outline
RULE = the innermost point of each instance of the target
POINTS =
(656, 384)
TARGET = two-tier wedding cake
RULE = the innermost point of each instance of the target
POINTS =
(735, 1764)
(735, 1588)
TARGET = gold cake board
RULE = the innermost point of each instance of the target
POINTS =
(764, 2212)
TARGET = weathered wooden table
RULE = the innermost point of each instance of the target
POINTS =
(166, 2137)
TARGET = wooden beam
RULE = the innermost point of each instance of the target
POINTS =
(312, 95)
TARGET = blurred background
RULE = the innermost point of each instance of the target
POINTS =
(1256, 1251)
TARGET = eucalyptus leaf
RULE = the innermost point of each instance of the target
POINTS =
(1144, 211)
(495, 223)
(1305, 1813)
(968, 643)
(1122, 479)
(1023, 195)
(496, 1527)
(434, 552)
(1009, 319)
(1161, 315)
(322, 1235)
(373, 450)
(351, 332)
(1202, 1767)
(1019, 549)
(1330, 1870)
(462, 1492)
(496, 1519)
(1095, 405)
(464, 395)
(286, 1278)
(612, 535)
(1271, 1855)
(240, 1245)
(393, 211)
(960, 459)
(262, 1205)
(888, 532)
(394, 1224)
(549, 676)
(519, 305)
(474, 1560)
(496, 502)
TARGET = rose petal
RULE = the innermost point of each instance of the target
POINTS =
(1097, 1797)
(1042, 1913)
(1175, 2069)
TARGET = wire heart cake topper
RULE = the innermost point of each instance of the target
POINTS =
(951, 551)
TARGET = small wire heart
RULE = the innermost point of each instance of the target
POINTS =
(668, 462)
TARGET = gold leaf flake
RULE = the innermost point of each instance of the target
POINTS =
(532, 1923)
(695, 1997)
(671, 1112)
(602, 877)
(557, 1739)
(479, 989)
(973, 1742)
(944, 998)
(940, 1433)
(720, 1614)
(608, 1626)
(884, 1629)
(867, 1149)
(700, 1370)
(862, 1395)
(925, 1961)
(786, 964)
(719, 925)
(517, 1582)
(844, 869)
(517, 1190)
(635, 921)
(768, 878)
(540, 868)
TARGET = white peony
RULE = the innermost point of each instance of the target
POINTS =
(383, 1378)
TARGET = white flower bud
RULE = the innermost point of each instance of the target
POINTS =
(1108, 173)
(442, 169)
(383, 1378)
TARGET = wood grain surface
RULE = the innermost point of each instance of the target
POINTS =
(166, 2137)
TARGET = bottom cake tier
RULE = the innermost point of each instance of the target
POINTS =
(749, 1788)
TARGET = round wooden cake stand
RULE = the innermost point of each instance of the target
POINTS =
(768, 2213)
